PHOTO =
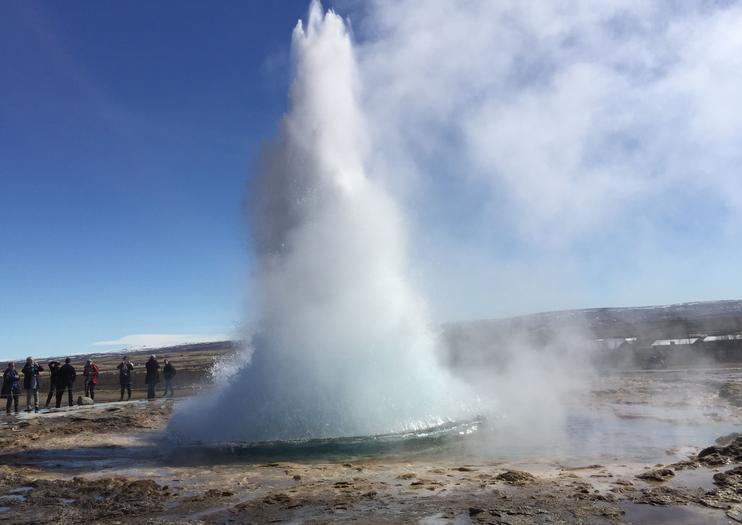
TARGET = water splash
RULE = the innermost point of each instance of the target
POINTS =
(344, 346)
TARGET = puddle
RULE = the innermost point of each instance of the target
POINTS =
(442, 519)
(20, 490)
(700, 478)
(88, 459)
(13, 498)
(640, 514)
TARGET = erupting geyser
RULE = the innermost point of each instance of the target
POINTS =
(344, 345)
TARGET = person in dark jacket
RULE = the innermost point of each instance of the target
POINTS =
(53, 374)
(11, 387)
(31, 383)
(65, 380)
(168, 372)
(125, 368)
(153, 376)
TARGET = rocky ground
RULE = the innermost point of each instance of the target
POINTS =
(110, 464)
(81, 426)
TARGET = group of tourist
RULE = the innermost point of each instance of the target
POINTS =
(62, 379)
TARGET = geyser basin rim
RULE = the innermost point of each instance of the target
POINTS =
(444, 430)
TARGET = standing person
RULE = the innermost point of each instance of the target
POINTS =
(65, 380)
(11, 387)
(125, 367)
(91, 379)
(31, 383)
(152, 377)
(86, 373)
(168, 372)
(53, 376)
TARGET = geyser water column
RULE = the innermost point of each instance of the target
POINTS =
(344, 346)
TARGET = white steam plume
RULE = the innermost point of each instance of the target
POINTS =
(344, 346)
(553, 145)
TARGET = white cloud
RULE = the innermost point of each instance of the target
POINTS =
(139, 341)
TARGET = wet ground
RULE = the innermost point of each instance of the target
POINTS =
(633, 450)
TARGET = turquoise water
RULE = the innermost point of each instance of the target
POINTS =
(428, 441)
(588, 437)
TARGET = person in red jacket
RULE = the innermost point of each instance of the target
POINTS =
(91, 375)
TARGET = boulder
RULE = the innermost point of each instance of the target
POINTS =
(660, 474)
(716, 455)
(731, 478)
(82, 400)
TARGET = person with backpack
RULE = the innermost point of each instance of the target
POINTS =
(31, 383)
(125, 368)
(168, 372)
(11, 387)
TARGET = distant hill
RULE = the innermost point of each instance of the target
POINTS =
(644, 322)
(215, 347)
(600, 332)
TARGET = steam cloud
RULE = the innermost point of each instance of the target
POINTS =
(536, 150)
(547, 147)
(344, 345)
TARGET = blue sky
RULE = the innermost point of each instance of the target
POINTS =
(126, 138)
(544, 157)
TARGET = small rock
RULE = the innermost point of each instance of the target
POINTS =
(719, 455)
(660, 475)
(516, 477)
(730, 478)
(82, 401)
